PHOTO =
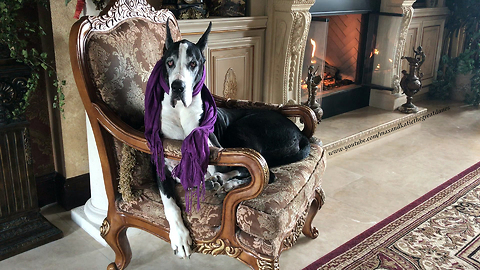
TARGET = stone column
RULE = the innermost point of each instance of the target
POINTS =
(90, 216)
(287, 31)
(381, 98)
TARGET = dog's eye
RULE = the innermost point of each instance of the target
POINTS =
(170, 63)
(193, 64)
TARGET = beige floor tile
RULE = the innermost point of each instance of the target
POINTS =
(363, 186)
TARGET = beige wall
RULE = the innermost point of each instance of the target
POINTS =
(257, 7)
(73, 123)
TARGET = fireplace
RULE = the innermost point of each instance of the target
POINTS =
(383, 32)
(333, 45)
(336, 47)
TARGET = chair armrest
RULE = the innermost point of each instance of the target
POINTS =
(258, 168)
(130, 136)
(244, 157)
(306, 114)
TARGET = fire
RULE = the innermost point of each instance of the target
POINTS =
(376, 51)
(314, 44)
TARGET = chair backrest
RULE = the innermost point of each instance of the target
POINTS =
(119, 49)
(112, 56)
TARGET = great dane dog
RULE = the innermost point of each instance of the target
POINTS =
(274, 136)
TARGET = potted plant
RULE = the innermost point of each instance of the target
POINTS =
(458, 77)
(19, 36)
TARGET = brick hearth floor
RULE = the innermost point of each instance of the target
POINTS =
(363, 186)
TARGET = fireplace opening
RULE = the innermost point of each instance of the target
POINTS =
(337, 49)
(333, 46)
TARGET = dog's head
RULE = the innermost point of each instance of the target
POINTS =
(184, 63)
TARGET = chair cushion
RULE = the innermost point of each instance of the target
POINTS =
(271, 216)
(203, 223)
(277, 209)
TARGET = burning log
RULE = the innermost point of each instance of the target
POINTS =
(332, 77)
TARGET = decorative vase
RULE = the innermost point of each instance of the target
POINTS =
(411, 82)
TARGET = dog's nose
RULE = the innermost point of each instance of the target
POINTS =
(178, 86)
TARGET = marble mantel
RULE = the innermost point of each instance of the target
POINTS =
(287, 31)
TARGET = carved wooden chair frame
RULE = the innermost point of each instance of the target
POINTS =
(105, 124)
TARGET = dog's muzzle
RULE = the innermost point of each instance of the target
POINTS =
(178, 92)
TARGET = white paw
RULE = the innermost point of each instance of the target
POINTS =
(180, 241)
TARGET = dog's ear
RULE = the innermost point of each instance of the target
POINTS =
(169, 39)
(202, 42)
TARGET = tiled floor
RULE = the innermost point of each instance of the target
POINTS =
(363, 186)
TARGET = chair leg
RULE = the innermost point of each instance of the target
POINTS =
(115, 234)
(268, 264)
(257, 262)
(309, 230)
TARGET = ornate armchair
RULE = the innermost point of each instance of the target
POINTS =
(112, 56)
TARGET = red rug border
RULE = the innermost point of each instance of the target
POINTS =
(362, 236)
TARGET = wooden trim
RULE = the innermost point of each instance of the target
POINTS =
(429, 12)
(73, 192)
(46, 188)
(222, 25)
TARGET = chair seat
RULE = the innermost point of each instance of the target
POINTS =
(272, 215)
(276, 209)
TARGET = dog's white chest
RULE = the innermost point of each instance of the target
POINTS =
(177, 123)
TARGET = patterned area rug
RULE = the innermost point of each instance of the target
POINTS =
(440, 230)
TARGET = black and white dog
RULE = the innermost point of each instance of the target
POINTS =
(275, 137)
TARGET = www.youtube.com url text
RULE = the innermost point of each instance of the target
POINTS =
(385, 132)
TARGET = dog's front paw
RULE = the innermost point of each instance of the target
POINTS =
(213, 183)
(180, 241)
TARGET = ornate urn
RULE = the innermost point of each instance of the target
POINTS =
(411, 82)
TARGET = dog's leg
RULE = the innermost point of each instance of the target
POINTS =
(180, 239)
(179, 235)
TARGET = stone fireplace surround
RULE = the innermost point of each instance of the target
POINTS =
(287, 31)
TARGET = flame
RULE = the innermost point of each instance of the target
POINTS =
(376, 51)
(314, 44)
(391, 61)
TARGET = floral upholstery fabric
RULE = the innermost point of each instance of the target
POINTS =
(203, 224)
(265, 220)
(277, 208)
(121, 61)
(268, 219)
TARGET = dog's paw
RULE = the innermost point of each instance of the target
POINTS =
(181, 241)
(234, 183)
(213, 183)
